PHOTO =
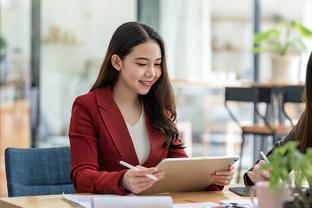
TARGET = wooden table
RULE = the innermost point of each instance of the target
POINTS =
(56, 201)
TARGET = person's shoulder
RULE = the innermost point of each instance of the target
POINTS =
(87, 99)
(98, 97)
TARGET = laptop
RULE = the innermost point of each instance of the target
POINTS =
(188, 174)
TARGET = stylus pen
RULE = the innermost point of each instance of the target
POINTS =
(264, 157)
(150, 176)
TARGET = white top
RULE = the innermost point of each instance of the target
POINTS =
(140, 140)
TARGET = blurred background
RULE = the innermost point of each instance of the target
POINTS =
(51, 51)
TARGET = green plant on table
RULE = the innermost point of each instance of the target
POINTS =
(288, 158)
(282, 38)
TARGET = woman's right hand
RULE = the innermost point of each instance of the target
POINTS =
(135, 180)
(255, 176)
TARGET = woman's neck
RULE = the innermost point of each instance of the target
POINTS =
(128, 103)
(124, 96)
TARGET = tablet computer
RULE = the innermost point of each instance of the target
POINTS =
(188, 174)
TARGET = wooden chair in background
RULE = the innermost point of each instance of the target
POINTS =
(262, 128)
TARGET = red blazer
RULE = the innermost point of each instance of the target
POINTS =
(99, 139)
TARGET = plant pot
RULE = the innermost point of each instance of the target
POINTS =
(298, 202)
(268, 198)
(292, 204)
(285, 68)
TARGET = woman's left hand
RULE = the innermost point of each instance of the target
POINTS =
(224, 177)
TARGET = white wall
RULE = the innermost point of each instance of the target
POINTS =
(185, 28)
(231, 8)
(15, 29)
(71, 62)
(15, 24)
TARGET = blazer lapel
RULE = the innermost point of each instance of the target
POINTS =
(116, 125)
(157, 144)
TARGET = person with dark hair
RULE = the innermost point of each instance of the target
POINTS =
(301, 132)
(128, 115)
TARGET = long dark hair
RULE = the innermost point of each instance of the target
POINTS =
(159, 103)
(302, 130)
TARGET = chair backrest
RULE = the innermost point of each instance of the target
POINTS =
(248, 94)
(241, 94)
(253, 95)
(38, 171)
(294, 95)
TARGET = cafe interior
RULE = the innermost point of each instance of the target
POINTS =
(236, 92)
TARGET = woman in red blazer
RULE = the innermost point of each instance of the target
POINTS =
(132, 84)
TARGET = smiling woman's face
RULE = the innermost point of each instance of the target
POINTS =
(141, 68)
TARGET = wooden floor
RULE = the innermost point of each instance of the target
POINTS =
(14, 132)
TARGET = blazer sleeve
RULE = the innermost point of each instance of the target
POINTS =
(289, 137)
(84, 153)
(177, 152)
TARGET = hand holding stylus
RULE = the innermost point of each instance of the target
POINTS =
(264, 157)
(265, 175)
(127, 165)
(139, 178)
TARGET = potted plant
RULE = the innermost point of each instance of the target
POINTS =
(3, 69)
(2, 48)
(288, 158)
(285, 42)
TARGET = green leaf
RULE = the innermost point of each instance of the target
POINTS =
(298, 44)
(304, 31)
(262, 36)
(274, 47)
(282, 37)
(2, 43)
